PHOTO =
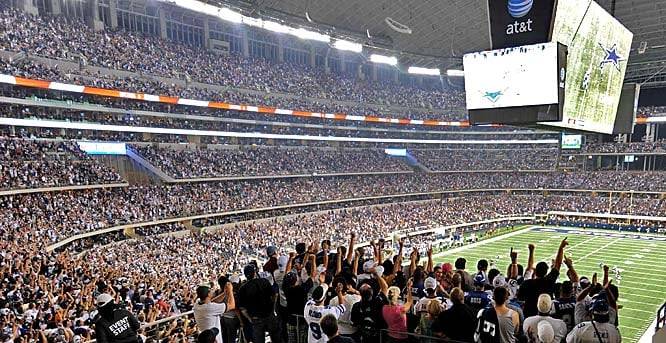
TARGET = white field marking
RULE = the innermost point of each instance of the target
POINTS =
(649, 332)
(628, 262)
(483, 242)
(599, 249)
(646, 250)
(637, 309)
(638, 256)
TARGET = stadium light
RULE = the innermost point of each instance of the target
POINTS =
(423, 71)
(311, 35)
(390, 60)
(275, 27)
(254, 22)
(455, 73)
(346, 45)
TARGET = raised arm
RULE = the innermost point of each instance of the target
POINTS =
(530, 257)
(513, 268)
(357, 258)
(605, 282)
(338, 261)
(571, 272)
(413, 261)
(408, 303)
(560, 254)
(429, 267)
(350, 249)
(383, 286)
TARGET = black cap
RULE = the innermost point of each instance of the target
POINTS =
(208, 336)
(202, 292)
(250, 270)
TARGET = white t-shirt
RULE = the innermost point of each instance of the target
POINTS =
(344, 324)
(313, 315)
(585, 333)
(559, 326)
(208, 317)
(422, 305)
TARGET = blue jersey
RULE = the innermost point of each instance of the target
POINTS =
(477, 300)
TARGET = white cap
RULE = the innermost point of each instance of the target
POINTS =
(379, 270)
(368, 265)
(545, 332)
(235, 278)
(544, 303)
(103, 299)
(282, 263)
(430, 283)
(500, 281)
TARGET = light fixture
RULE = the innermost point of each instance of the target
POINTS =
(423, 71)
(229, 15)
(342, 44)
(455, 73)
(390, 60)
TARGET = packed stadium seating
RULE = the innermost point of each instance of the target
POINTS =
(74, 229)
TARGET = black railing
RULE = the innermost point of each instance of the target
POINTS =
(661, 318)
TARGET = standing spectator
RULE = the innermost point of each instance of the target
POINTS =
(565, 305)
(466, 281)
(478, 299)
(350, 299)
(395, 314)
(530, 326)
(367, 314)
(315, 310)
(457, 322)
(543, 281)
(329, 326)
(208, 311)
(597, 330)
(114, 324)
(498, 323)
(256, 301)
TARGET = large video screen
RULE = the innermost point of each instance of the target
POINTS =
(572, 141)
(598, 49)
(512, 77)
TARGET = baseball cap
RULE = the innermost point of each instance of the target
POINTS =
(430, 283)
(234, 278)
(282, 263)
(103, 300)
(500, 281)
(479, 280)
(202, 291)
(380, 270)
(544, 303)
(447, 267)
(271, 250)
(584, 282)
(368, 265)
(208, 336)
(545, 332)
(599, 304)
(319, 293)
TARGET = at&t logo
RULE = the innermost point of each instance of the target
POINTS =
(518, 9)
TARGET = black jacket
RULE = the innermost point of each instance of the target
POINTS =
(120, 326)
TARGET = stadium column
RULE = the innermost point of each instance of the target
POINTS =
(163, 27)
(113, 14)
(27, 6)
(313, 56)
(54, 7)
(206, 33)
(245, 44)
(396, 76)
(374, 72)
(92, 15)
(280, 49)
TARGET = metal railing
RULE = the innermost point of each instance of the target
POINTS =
(661, 318)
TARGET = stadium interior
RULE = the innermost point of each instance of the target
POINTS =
(311, 171)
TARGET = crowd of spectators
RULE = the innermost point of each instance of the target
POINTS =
(650, 111)
(153, 56)
(266, 161)
(52, 294)
(631, 147)
(57, 215)
(41, 163)
(510, 157)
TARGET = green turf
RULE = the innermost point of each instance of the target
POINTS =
(643, 285)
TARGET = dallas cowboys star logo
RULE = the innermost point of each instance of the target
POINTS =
(493, 96)
(611, 57)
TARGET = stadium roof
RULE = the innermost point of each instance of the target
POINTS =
(449, 28)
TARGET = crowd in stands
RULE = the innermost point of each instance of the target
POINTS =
(41, 163)
(57, 215)
(249, 161)
(153, 56)
(650, 111)
(154, 277)
(509, 157)
(645, 147)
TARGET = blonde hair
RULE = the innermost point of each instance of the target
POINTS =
(434, 308)
(393, 295)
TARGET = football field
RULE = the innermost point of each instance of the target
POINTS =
(640, 259)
